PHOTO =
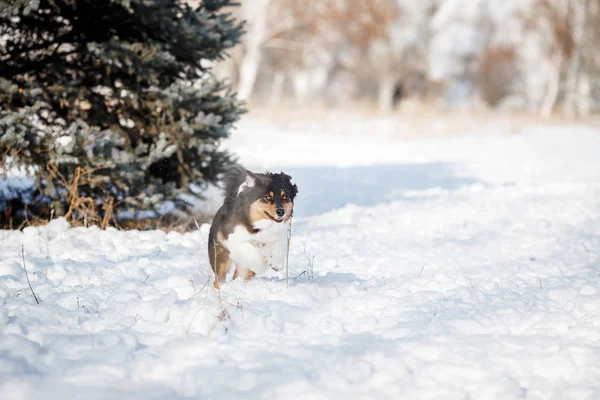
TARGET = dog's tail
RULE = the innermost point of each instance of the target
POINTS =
(234, 177)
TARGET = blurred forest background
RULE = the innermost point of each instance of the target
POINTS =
(116, 110)
(533, 56)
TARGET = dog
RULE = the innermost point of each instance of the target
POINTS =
(250, 229)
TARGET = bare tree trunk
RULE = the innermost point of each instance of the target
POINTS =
(572, 100)
(584, 95)
(385, 94)
(583, 89)
(300, 83)
(553, 87)
(277, 88)
(257, 10)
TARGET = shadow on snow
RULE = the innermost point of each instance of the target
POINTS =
(323, 189)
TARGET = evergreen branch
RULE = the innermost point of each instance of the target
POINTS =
(61, 39)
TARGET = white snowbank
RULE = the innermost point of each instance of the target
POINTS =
(444, 268)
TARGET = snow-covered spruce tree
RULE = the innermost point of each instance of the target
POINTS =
(114, 100)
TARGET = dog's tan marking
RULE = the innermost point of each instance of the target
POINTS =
(221, 262)
(243, 272)
(258, 209)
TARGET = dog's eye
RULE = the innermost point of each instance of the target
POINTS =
(268, 198)
(284, 197)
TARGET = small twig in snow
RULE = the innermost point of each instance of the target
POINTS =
(208, 280)
(187, 332)
(27, 275)
(199, 291)
(287, 255)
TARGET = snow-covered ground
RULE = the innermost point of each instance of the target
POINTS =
(461, 266)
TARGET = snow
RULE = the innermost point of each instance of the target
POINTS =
(16, 182)
(448, 266)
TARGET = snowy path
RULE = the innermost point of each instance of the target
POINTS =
(463, 267)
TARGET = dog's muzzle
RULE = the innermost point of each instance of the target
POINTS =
(272, 218)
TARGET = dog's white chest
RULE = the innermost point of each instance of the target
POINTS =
(270, 231)
(258, 251)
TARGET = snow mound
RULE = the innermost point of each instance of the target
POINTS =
(439, 268)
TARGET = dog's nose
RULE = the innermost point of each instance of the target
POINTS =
(280, 212)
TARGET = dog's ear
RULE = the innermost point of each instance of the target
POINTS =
(245, 180)
(286, 177)
(250, 179)
(294, 189)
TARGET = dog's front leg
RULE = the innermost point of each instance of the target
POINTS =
(248, 256)
(276, 254)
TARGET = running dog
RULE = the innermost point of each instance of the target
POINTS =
(250, 228)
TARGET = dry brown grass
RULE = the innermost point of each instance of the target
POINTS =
(85, 211)
(163, 223)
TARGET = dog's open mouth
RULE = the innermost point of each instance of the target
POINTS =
(278, 220)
